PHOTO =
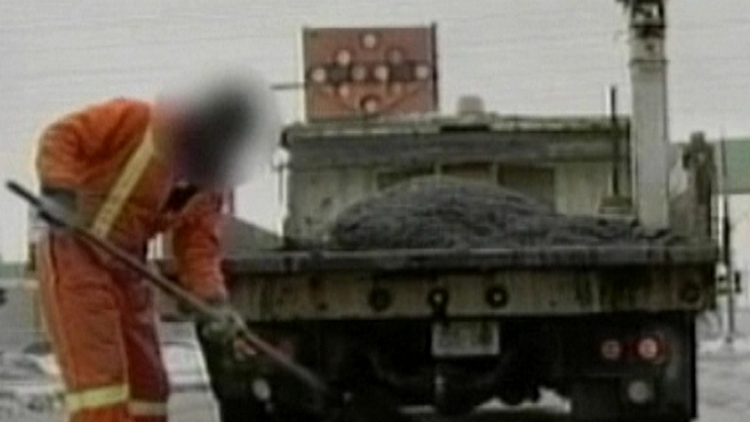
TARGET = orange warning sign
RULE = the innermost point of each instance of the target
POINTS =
(364, 72)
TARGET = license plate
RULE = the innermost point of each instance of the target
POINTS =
(465, 338)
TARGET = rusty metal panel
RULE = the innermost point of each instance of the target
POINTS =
(365, 72)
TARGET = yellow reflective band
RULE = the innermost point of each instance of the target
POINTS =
(146, 408)
(124, 186)
(96, 397)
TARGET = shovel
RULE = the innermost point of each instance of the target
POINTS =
(331, 405)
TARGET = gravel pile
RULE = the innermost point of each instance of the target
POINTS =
(449, 213)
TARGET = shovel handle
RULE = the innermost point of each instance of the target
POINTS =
(24, 193)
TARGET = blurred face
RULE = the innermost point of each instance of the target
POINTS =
(204, 136)
(223, 136)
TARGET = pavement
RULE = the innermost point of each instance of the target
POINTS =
(30, 388)
(183, 407)
(723, 381)
(724, 369)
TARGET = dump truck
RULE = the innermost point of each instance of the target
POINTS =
(608, 326)
(557, 304)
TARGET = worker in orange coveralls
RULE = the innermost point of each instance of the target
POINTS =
(130, 170)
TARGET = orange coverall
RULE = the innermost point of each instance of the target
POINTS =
(100, 315)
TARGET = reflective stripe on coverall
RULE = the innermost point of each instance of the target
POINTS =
(100, 315)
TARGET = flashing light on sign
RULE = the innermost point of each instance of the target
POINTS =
(344, 90)
(382, 73)
(370, 105)
(343, 58)
(422, 72)
(359, 71)
(369, 41)
(319, 75)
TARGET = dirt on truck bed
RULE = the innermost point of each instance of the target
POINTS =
(442, 212)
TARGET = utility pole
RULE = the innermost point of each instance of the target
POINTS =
(727, 245)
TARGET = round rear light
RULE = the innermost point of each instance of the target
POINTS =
(640, 392)
(611, 350)
(649, 348)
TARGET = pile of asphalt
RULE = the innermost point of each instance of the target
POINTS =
(449, 213)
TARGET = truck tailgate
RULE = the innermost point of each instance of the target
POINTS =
(477, 283)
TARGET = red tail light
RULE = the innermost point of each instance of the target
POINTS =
(650, 349)
(611, 350)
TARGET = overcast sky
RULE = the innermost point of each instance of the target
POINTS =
(531, 56)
